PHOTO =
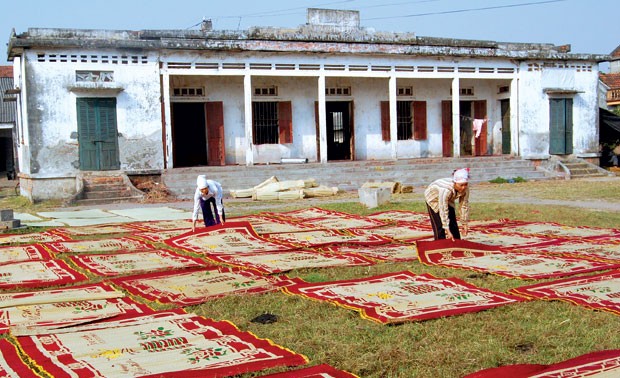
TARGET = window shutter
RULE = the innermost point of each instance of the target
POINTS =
(568, 142)
(446, 128)
(419, 120)
(556, 127)
(385, 121)
(285, 122)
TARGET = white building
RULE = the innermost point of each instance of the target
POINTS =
(145, 101)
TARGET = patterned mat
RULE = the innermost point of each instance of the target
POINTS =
(506, 240)
(399, 232)
(74, 293)
(597, 292)
(38, 274)
(401, 216)
(463, 254)
(598, 249)
(160, 236)
(44, 318)
(11, 365)
(315, 238)
(103, 229)
(198, 286)
(404, 296)
(269, 225)
(234, 237)
(30, 252)
(551, 230)
(39, 237)
(278, 262)
(602, 364)
(135, 262)
(164, 225)
(173, 345)
(388, 252)
(100, 245)
(318, 371)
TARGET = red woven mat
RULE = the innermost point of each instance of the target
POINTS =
(404, 296)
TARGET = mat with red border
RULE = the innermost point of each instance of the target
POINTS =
(20, 253)
(135, 262)
(605, 363)
(38, 237)
(387, 252)
(11, 364)
(463, 254)
(597, 292)
(316, 238)
(599, 250)
(38, 274)
(121, 244)
(173, 346)
(403, 296)
(198, 286)
(233, 237)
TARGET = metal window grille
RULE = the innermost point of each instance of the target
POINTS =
(265, 122)
(404, 120)
(338, 122)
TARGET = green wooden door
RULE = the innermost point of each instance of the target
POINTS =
(506, 141)
(561, 126)
(97, 134)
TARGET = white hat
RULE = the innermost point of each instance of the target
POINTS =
(201, 182)
(461, 176)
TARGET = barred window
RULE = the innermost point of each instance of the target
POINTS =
(265, 122)
(404, 120)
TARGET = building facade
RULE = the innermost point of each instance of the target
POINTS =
(146, 101)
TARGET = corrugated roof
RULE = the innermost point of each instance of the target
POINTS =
(7, 108)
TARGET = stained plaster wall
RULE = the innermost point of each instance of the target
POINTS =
(534, 95)
(52, 119)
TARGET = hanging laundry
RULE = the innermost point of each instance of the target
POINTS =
(477, 125)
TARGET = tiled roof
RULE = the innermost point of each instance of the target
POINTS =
(612, 80)
(6, 71)
(616, 52)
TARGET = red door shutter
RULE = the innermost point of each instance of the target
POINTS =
(446, 128)
(215, 133)
(480, 112)
(285, 122)
(419, 120)
(385, 121)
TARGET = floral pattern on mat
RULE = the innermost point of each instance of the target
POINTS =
(463, 254)
(233, 237)
(403, 296)
(598, 249)
(386, 252)
(269, 225)
(45, 317)
(173, 345)
(39, 237)
(103, 229)
(198, 286)
(278, 262)
(316, 238)
(19, 253)
(400, 232)
(597, 292)
(100, 245)
(38, 274)
(135, 262)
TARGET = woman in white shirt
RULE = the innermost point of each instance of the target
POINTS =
(208, 193)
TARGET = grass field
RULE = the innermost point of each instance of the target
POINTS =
(535, 332)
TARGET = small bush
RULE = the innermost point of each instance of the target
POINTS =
(501, 180)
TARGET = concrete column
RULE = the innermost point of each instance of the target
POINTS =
(247, 116)
(393, 123)
(514, 117)
(168, 159)
(322, 119)
(456, 118)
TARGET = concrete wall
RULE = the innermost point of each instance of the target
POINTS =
(536, 86)
(52, 118)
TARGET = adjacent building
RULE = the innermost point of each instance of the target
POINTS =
(330, 90)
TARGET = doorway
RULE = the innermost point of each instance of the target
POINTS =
(506, 141)
(97, 134)
(339, 130)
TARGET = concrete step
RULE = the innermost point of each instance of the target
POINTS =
(112, 193)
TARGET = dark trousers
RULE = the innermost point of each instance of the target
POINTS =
(438, 230)
(207, 214)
